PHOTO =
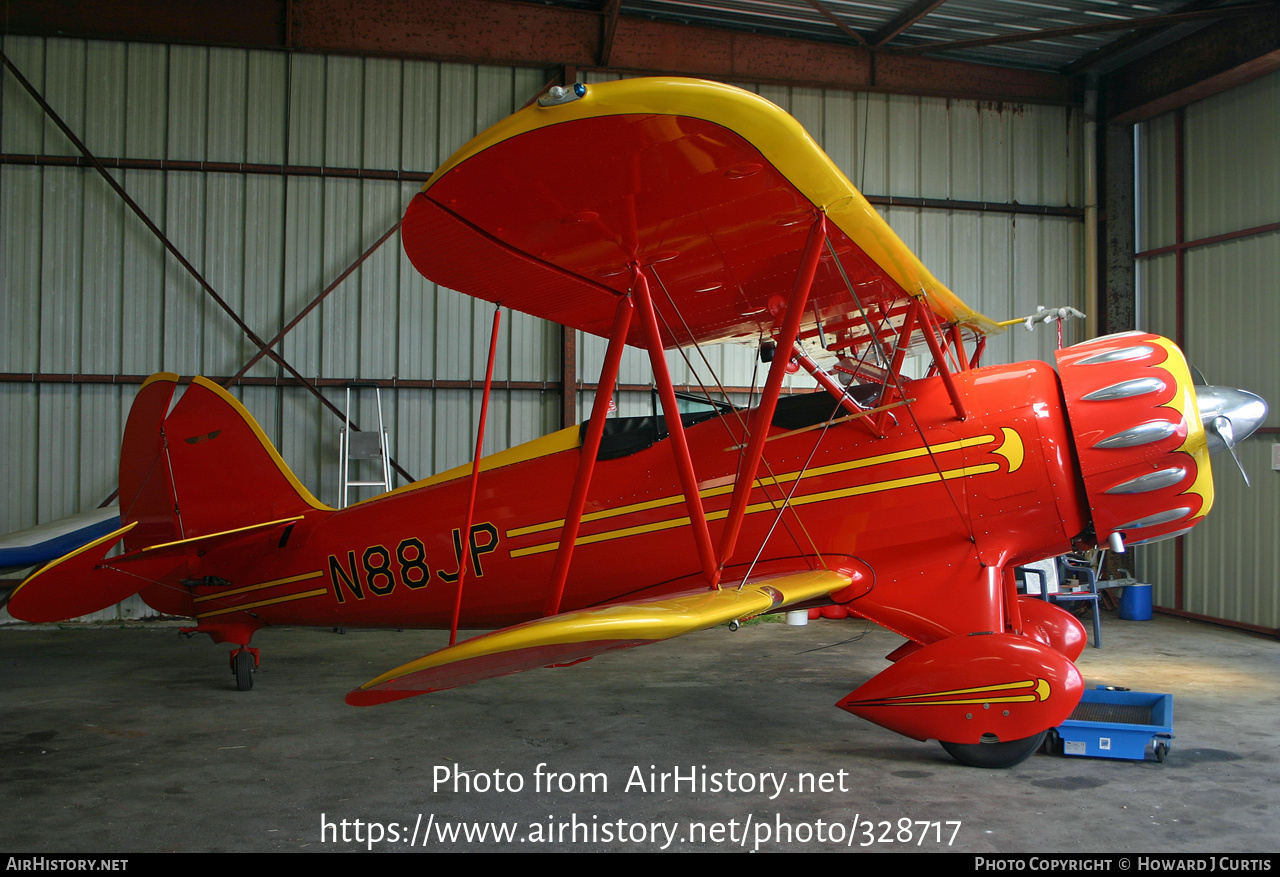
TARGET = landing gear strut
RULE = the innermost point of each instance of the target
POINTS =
(995, 753)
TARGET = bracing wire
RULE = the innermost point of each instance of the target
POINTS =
(772, 479)
(786, 503)
(926, 325)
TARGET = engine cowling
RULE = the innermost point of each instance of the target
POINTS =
(1140, 440)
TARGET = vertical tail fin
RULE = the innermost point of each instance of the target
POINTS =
(202, 466)
(199, 467)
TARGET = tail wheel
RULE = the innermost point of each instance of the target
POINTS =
(995, 753)
(242, 666)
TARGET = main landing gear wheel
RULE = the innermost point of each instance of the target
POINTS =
(994, 754)
(242, 666)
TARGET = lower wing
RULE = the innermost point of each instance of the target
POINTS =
(575, 636)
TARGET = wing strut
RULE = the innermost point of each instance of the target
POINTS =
(763, 413)
(928, 329)
(587, 459)
(675, 428)
(475, 477)
(825, 380)
(957, 342)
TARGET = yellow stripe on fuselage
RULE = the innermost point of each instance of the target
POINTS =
(287, 598)
(762, 482)
(259, 587)
(878, 487)
(972, 690)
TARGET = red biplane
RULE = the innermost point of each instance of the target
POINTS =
(690, 213)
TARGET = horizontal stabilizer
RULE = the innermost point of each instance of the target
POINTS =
(84, 581)
(74, 585)
(576, 636)
(224, 539)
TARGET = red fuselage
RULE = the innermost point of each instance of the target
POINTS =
(1000, 482)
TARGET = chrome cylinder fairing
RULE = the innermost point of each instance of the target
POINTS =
(1140, 438)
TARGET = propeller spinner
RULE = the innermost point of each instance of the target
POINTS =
(1229, 416)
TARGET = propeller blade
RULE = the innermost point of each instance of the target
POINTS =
(1240, 466)
(1222, 425)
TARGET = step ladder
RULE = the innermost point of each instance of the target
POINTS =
(362, 447)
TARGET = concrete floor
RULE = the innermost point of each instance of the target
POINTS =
(132, 740)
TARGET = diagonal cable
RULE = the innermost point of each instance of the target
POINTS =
(737, 413)
(169, 245)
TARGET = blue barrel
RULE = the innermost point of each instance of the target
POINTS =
(1135, 603)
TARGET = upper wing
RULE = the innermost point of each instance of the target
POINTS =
(576, 636)
(711, 188)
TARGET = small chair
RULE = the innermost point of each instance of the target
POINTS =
(1072, 567)
(1038, 579)
(1068, 567)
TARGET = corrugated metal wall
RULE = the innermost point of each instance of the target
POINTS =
(1231, 316)
(87, 290)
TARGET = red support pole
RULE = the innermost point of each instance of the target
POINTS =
(761, 417)
(465, 559)
(976, 359)
(904, 335)
(675, 430)
(899, 355)
(828, 383)
(939, 359)
(587, 455)
(957, 341)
